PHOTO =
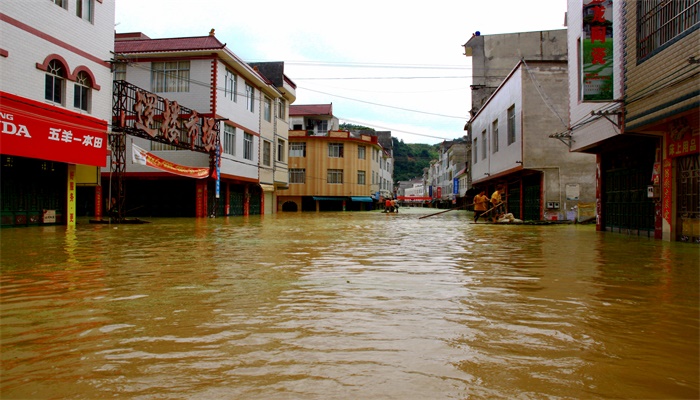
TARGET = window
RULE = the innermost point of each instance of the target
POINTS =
(280, 150)
(282, 109)
(60, 3)
(230, 85)
(120, 71)
(248, 146)
(229, 140)
(55, 81)
(267, 112)
(511, 125)
(84, 9)
(250, 98)
(659, 22)
(297, 175)
(81, 93)
(322, 128)
(475, 150)
(297, 149)
(361, 177)
(267, 153)
(335, 150)
(173, 76)
(483, 145)
(361, 152)
(335, 176)
(494, 136)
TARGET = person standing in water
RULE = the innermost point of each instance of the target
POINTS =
(480, 203)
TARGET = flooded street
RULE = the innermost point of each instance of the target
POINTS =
(359, 305)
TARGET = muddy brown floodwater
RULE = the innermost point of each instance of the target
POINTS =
(356, 305)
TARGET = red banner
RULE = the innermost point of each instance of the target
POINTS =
(39, 130)
(143, 157)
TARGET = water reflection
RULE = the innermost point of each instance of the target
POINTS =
(346, 305)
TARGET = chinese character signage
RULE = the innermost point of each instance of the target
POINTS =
(680, 139)
(38, 130)
(597, 50)
(455, 186)
(70, 198)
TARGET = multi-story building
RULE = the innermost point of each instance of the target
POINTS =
(248, 105)
(635, 104)
(519, 98)
(511, 145)
(55, 106)
(330, 170)
(452, 158)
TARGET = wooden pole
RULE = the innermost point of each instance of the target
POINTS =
(442, 212)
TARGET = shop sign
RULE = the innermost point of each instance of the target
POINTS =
(38, 130)
(680, 139)
(597, 50)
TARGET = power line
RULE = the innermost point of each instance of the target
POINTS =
(392, 129)
(383, 105)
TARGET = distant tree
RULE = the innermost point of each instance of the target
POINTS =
(352, 127)
(410, 159)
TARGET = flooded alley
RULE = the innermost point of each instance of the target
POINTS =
(354, 305)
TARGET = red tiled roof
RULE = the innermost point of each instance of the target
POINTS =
(311, 109)
(168, 44)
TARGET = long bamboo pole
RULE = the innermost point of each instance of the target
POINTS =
(442, 212)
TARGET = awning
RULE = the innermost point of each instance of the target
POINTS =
(267, 188)
(321, 198)
(364, 199)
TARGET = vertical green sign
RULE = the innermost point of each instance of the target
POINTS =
(597, 50)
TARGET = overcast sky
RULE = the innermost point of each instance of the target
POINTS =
(387, 64)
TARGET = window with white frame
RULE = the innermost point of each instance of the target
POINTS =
(335, 176)
(250, 98)
(267, 110)
(494, 136)
(171, 76)
(119, 71)
(84, 9)
(297, 175)
(267, 153)
(297, 149)
(335, 150)
(82, 91)
(361, 177)
(511, 125)
(231, 85)
(60, 3)
(361, 152)
(322, 128)
(55, 82)
(282, 109)
(280, 150)
(229, 140)
(248, 146)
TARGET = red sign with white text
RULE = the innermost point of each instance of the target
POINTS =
(34, 129)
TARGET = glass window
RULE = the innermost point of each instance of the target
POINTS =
(280, 150)
(119, 71)
(229, 140)
(81, 94)
(335, 176)
(267, 153)
(250, 98)
(361, 177)
(267, 111)
(494, 136)
(297, 149)
(335, 150)
(511, 125)
(55, 82)
(231, 85)
(248, 146)
(282, 109)
(61, 3)
(173, 76)
(297, 175)
(475, 149)
(361, 152)
(84, 9)
(483, 145)
(659, 22)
